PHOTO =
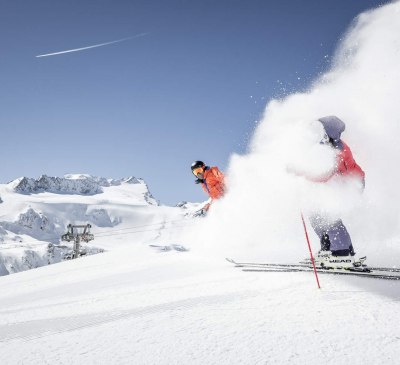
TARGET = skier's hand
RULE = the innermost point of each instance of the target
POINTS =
(196, 214)
(198, 181)
(200, 213)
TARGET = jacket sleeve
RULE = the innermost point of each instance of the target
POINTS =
(216, 183)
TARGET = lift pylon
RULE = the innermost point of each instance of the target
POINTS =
(74, 235)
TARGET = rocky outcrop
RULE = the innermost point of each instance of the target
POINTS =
(69, 184)
(58, 185)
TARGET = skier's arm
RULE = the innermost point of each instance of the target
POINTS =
(313, 178)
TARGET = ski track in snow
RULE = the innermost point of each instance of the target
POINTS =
(32, 330)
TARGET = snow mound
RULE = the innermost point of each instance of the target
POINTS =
(26, 259)
(33, 223)
(101, 218)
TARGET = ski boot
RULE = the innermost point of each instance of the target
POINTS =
(348, 262)
(330, 260)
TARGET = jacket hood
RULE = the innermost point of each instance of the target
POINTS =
(333, 126)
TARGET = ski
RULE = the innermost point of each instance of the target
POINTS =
(256, 264)
(374, 275)
(356, 271)
(305, 265)
(372, 268)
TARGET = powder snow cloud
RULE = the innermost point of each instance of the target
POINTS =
(260, 215)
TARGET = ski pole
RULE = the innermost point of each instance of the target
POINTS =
(309, 248)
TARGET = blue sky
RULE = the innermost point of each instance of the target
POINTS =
(191, 88)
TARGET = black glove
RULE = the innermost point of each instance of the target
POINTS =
(200, 213)
(199, 181)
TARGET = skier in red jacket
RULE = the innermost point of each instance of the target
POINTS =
(345, 164)
(334, 238)
(211, 180)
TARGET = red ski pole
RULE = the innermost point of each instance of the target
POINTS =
(309, 248)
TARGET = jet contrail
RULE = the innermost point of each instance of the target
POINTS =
(94, 46)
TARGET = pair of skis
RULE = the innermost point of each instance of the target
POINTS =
(387, 273)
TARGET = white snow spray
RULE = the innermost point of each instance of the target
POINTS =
(260, 215)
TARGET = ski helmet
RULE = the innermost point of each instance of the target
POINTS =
(197, 164)
(333, 126)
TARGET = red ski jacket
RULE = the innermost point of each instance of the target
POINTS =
(213, 182)
(345, 166)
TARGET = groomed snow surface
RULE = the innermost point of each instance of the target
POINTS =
(137, 306)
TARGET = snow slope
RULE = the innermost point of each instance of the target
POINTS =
(135, 306)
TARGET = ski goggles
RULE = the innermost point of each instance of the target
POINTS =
(198, 170)
(325, 139)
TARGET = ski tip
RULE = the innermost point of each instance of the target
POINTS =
(230, 260)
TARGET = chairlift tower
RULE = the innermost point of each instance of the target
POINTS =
(74, 235)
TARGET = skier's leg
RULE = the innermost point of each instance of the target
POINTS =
(341, 244)
(320, 227)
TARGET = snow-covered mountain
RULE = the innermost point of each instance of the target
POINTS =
(82, 184)
(34, 213)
